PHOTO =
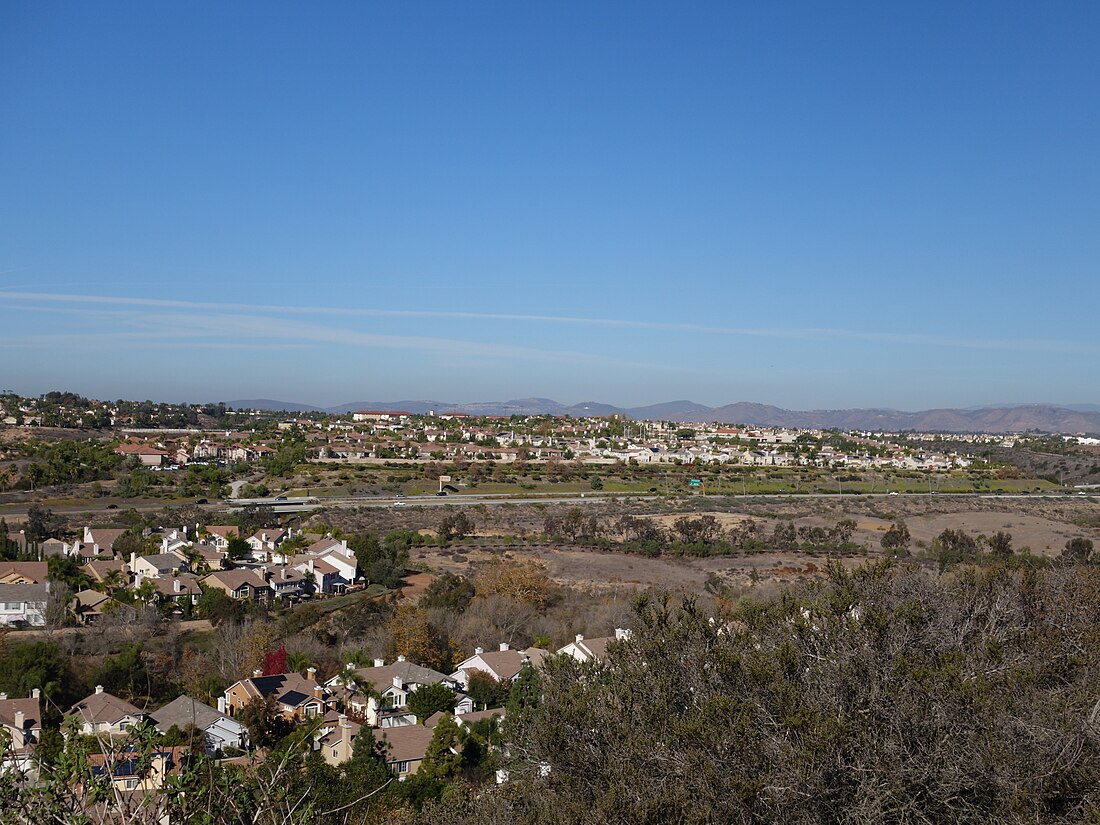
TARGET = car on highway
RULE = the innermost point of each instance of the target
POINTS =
(441, 493)
(398, 495)
(399, 504)
(112, 506)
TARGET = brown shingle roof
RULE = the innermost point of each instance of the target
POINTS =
(31, 572)
(407, 743)
(103, 707)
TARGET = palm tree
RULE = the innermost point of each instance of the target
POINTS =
(113, 581)
(297, 662)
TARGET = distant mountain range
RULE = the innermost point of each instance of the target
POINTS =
(1077, 418)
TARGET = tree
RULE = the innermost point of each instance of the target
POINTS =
(41, 524)
(415, 635)
(275, 662)
(443, 757)
(897, 539)
(215, 605)
(520, 581)
(238, 549)
(297, 661)
(485, 690)
(596, 483)
(125, 674)
(448, 592)
(9, 549)
(1000, 544)
(429, 699)
(704, 529)
(456, 526)
(1078, 549)
(266, 726)
(65, 569)
(524, 691)
(382, 561)
(39, 665)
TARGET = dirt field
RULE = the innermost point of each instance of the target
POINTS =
(1042, 525)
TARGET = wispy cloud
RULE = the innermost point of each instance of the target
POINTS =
(337, 335)
(217, 327)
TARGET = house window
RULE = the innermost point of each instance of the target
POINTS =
(335, 753)
(13, 605)
(402, 767)
(131, 784)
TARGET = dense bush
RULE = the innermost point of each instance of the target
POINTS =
(879, 696)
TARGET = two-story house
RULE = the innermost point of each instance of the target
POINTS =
(384, 702)
(21, 720)
(243, 584)
(585, 650)
(105, 714)
(219, 730)
(24, 605)
(296, 697)
(503, 664)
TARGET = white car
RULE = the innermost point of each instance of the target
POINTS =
(399, 504)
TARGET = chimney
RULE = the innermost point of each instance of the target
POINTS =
(177, 586)
(263, 572)
(98, 689)
(478, 651)
(19, 719)
(579, 639)
(344, 721)
(3, 697)
(379, 662)
(36, 693)
(318, 692)
(503, 646)
(221, 704)
(401, 658)
(397, 682)
(311, 673)
(283, 572)
(257, 673)
(133, 560)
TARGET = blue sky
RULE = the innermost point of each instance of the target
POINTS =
(811, 205)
